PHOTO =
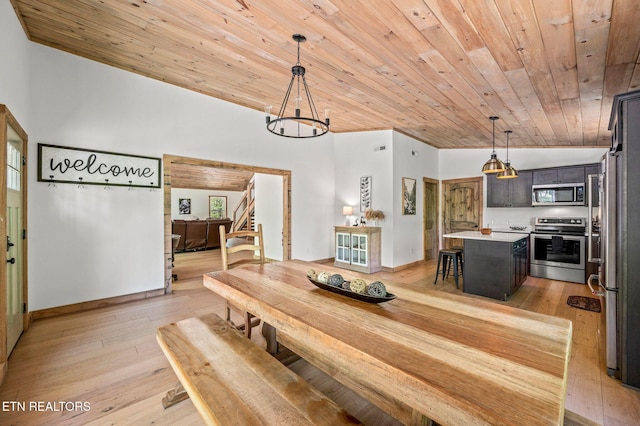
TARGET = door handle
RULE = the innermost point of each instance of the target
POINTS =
(594, 277)
(12, 260)
(9, 243)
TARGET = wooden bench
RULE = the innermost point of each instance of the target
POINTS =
(232, 381)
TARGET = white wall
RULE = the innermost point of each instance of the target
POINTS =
(14, 72)
(415, 160)
(269, 212)
(200, 202)
(356, 156)
(91, 244)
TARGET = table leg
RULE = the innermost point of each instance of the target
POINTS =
(269, 333)
(419, 419)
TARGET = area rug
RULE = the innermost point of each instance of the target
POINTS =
(582, 302)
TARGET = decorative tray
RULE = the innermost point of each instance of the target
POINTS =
(363, 297)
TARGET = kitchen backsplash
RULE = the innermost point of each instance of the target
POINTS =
(504, 218)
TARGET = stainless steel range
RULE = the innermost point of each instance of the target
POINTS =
(558, 247)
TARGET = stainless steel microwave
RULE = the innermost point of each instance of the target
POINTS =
(558, 194)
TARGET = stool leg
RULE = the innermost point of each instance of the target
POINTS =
(455, 269)
(438, 269)
(446, 266)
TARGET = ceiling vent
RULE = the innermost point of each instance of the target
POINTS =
(380, 148)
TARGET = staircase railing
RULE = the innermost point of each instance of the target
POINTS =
(244, 211)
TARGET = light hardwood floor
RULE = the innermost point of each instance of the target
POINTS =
(108, 358)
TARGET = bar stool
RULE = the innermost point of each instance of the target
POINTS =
(461, 248)
(445, 257)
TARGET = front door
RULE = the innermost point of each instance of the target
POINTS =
(15, 261)
(462, 207)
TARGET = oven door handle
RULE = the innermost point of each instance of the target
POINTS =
(595, 292)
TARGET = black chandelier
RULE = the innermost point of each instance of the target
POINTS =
(297, 125)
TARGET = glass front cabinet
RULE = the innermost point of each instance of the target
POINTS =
(358, 248)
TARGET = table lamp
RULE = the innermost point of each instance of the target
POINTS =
(347, 211)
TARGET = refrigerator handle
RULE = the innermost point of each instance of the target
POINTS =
(594, 292)
(590, 220)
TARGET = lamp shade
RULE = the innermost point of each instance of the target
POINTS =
(509, 173)
(347, 210)
(493, 165)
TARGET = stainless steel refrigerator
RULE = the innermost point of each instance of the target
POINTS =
(618, 221)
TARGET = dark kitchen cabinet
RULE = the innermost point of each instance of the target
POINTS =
(572, 174)
(509, 192)
(520, 189)
(495, 269)
(520, 263)
(545, 176)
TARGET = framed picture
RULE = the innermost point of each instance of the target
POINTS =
(184, 205)
(217, 206)
(88, 166)
(408, 196)
(365, 193)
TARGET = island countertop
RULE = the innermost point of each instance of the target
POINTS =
(506, 237)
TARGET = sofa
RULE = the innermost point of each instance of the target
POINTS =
(201, 234)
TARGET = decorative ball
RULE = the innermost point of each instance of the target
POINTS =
(312, 274)
(346, 285)
(335, 280)
(358, 286)
(376, 289)
(323, 277)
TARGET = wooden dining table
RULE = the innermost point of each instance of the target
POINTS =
(455, 359)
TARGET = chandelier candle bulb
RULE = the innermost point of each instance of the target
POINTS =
(267, 111)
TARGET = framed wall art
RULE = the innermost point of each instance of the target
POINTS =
(408, 196)
(217, 206)
(365, 193)
(184, 205)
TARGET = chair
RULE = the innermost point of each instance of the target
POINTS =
(239, 241)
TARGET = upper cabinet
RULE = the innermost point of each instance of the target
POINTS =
(509, 192)
(572, 174)
(517, 192)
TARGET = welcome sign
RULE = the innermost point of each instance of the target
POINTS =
(74, 165)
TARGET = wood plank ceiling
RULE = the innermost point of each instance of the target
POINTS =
(431, 69)
(193, 176)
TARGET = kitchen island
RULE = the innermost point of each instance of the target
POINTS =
(495, 265)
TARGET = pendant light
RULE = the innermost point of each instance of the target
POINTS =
(297, 125)
(493, 164)
(509, 172)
